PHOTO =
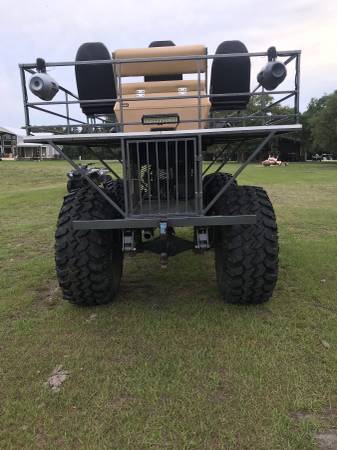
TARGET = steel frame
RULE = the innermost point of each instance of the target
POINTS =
(199, 218)
(292, 55)
(202, 137)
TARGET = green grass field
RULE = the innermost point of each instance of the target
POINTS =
(169, 365)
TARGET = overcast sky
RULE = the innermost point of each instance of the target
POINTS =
(55, 29)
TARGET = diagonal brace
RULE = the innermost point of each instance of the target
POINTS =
(106, 165)
(222, 164)
(240, 169)
(217, 156)
(88, 179)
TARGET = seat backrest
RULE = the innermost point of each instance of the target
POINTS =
(95, 81)
(165, 77)
(155, 68)
(230, 75)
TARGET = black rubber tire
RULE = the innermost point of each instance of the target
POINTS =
(77, 182)
(246, 256)
(89, 263)
(213, 183)
(115, 190)
(74, 185)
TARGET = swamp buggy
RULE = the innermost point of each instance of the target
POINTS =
(157, 108)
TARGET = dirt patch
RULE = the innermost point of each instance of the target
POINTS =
(327, 414)
(325, 307)
(263, 311)
(122, 402)
(91, 318)
(327, 440)
(221, 385)
(57, 378)
(48, 297)
(302, 415)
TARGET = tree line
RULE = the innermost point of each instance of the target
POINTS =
(319, 122)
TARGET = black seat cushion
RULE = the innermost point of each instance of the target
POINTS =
(95, 81)
(230, 75)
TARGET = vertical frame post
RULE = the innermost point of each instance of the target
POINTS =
(199, 95)
(297, 86)
(25, 99)
(120, 95)
(198, 143)
(67, 111)
(125, 178)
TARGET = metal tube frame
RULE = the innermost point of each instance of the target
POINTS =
(161, 58)
(110, 124)
(187, 218)
(116, 63)
(197, 218)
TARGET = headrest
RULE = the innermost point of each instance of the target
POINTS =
(162, 44)
(162, 67)
(165, 77)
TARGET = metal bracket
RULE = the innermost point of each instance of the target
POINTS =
(163, 238)
(202, 238)
(163, 229)
(128, 242)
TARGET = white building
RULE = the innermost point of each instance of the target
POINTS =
(12, 146)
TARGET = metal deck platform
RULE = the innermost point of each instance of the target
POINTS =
(210, 133)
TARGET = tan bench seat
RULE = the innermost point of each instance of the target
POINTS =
(162, 86)
(162, 67)
(185, 107)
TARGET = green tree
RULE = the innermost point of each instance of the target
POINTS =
(262, 112)
(316, 105)
(324, 125)
(262, 105)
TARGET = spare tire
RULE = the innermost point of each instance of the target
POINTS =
(95, 81)
(230, 75)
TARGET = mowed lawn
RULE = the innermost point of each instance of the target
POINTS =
(169, 365)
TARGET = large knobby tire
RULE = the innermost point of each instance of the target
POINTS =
(74, 185)
(213, 183)
(89, 263)
(246, 256)
(115, 190)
